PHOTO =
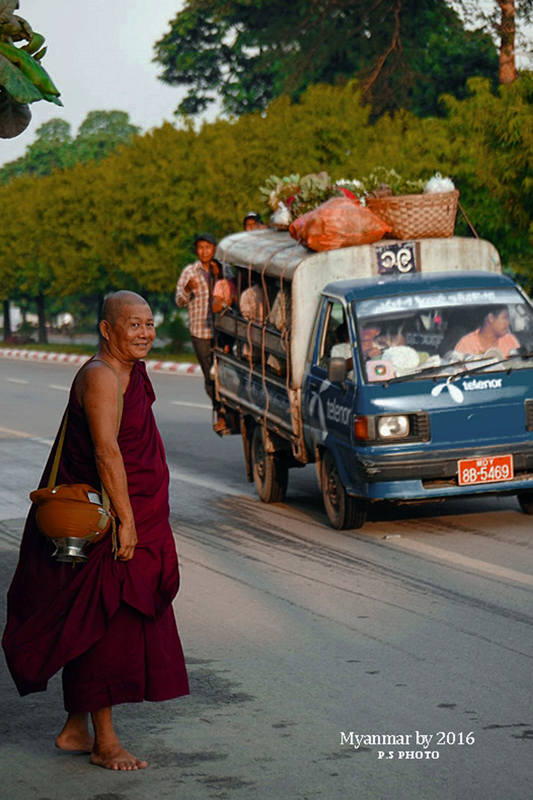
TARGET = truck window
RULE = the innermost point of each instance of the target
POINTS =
(334, 332)
(413, 335)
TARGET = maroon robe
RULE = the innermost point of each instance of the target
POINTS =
(110, 622)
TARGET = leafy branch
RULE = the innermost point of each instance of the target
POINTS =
(23, 80)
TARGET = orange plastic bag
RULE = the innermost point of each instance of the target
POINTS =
(339, 222)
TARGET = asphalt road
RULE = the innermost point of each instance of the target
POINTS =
(320, 661)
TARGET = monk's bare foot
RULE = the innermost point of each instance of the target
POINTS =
(75, 736)
(75, 745)
(117, 758)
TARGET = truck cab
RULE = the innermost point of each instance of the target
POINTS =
(404, 372)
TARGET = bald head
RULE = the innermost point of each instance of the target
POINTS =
(117, 303)
(127, 327)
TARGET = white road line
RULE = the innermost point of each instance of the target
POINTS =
(189, 405)
(212, 485)
(59, 388)
(15, 380)
(463, 561)
(24, 435)
(21, 434)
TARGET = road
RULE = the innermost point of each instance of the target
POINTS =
(320, 661)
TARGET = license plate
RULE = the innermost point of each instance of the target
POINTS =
(485, 470)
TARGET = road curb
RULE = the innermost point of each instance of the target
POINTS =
(169, 367)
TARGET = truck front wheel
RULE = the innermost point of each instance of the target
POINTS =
(271, 473)
(343, 510)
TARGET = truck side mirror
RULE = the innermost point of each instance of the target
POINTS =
(337, 370)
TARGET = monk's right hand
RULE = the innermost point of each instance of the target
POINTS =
(127, 536)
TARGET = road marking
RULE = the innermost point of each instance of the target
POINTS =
(24, 435)
(16, 433)
(59, 388)
(211, 484)
(464, 561)
(189, 405)
(15, 380)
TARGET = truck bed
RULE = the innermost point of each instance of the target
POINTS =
(246, 390)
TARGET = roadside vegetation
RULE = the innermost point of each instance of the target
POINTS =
(113, 208)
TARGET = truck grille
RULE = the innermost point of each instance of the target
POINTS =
(529, 414)
(420, 427)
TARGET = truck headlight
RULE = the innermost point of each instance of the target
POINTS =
(393, 427)
(387, 428)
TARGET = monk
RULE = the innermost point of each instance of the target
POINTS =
(108, 622)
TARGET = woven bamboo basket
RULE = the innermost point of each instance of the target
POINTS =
(417, 216)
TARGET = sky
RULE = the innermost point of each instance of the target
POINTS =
(99, 57)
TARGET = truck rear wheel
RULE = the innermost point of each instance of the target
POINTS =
(271, 473)
(525, 500)
(343, 510)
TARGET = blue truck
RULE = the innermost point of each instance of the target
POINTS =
(402, 369)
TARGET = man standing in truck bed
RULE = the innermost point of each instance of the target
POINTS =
(195, 293)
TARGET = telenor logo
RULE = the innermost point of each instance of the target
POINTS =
(492, 383)
(455, 393)
(338, 413)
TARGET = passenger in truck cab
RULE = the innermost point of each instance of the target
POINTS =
(375, 339)
(369, 346)
(493, 334)
(343, 349)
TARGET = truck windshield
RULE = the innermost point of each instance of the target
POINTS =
(441, 333)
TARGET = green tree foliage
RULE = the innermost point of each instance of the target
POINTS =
(101, 133)
(129, 220)
(54, 148)
(50, 151)
(403, 52)
(491, 141)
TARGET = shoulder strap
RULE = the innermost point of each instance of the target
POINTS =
(57, 456)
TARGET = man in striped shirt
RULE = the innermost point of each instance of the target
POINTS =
(195, 292)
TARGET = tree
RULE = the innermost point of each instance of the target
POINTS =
(8, 272)
(51, 150)
(507, 22)
(129, 220)
(507, 72)
(101, 133)
(246, 53)
(494, 167)
(54, 148)
(28, 271)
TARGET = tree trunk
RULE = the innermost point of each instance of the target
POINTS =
(507, 72)
(8, 332)
(41, 310)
